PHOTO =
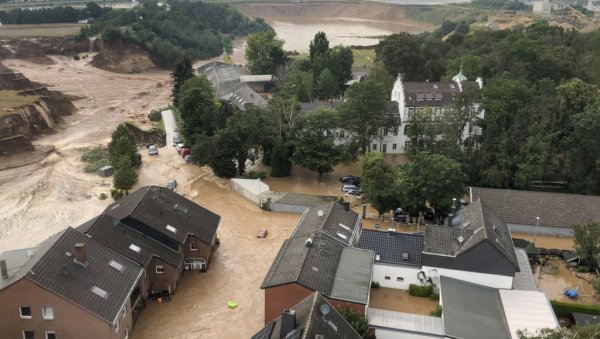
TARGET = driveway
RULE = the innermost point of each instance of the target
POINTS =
(170, 125)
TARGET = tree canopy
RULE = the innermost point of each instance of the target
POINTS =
(264, 52)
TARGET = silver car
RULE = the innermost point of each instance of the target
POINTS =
(152, 150)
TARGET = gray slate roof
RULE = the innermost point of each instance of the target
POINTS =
(433, 94)
(335, 222)
(311, 322)
(320, 266)
(118, 237)
(390, 247)
(245, 97)
(472, 311)
(57, 272)
(476, 224)
(554, 209)
(158, 207)
(223, 76)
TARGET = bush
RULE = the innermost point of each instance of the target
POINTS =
(117, 194)
(437, 312)
(96, 165)
(583, 269)
(375, 284)
(434, 296)
(155, 115)
(257, 175)
(420, 291)
(563, 309)
(96, 158)
(217, 241)
(76, 57)
(103, 196)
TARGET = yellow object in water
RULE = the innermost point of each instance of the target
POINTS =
(232, 304)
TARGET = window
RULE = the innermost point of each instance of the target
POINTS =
(385, 133)
(126, 332)
(117, 326)
(28, 335)
(99, 292)
(171, 228)
(399, 279)
(47, 313)
(342, 135)
(135, 248)
(25, 312)
(116, 265)
(394, 146)
(124, 311)
(387, 278)
(193, 246)
(384, 148)
(374, 147)
(160, 269)
(50, 335)
(395, 133)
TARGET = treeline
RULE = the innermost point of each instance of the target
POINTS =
(60, 14)
(541, 102)
(197, 29)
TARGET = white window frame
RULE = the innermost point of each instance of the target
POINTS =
(46, 316)
(30, 316)
(24, 337)
(162, 269)
(49, 332)
(394, 146)
(117, 326)
(124, 311)
(374, 147)
(192, 245)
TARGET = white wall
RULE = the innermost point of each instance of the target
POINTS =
(491, 280)
(409, 274)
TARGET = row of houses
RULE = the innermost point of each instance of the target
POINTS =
(92, 281)
(486, 285)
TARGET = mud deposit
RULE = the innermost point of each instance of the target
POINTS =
(400, 301)
(555, 284)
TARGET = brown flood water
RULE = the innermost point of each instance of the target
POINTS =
(554, 285)
(545, 241)
(400, 301)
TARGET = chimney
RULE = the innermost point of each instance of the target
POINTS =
(288, 323)
(3, 269)
(80, 254)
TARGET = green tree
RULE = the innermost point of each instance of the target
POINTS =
(319, 45)
(122, 145)
(315, 148)
(300, 84)
(587, 243)
(327, 85)
(264, 52)
(125, 175)
(181, 73)
(545, 333)
(380, 181)
(583, 155)
(197, 109)
(363, 114)
(281, 165)
(227, 45)
(358, 322)
(401, 54)
(242, 137)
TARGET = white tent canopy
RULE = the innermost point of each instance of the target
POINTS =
(527, 310)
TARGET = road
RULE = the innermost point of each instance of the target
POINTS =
(170, 125)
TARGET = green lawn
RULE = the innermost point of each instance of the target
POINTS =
(363, 58)
(11, 99)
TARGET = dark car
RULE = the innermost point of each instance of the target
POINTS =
(350, 179)
(429, 215)
(177, 139)
(172, 184)
(399, 215)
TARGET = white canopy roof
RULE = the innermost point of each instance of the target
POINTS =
(527, 310)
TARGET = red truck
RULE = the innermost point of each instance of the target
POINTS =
(185, 151)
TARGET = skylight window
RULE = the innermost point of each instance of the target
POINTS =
(341, 235)
(171, 228)
(99, 292)
(344, 227)
(135, 248)
(116, 265)
(115, 206)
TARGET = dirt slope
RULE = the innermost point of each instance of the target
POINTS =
(123, 57)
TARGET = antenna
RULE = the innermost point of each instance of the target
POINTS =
(460, 239)
(325, 309)
(320, 213)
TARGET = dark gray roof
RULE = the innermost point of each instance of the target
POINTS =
(554, 209)
(317, 267)
(85, 227)
(57, 272)
(307, 107)
(582, 319)
(433, 94)
(311, 322)
(476, 224)
(157, 207)
(119, 237)
(391, 246)
(223, 76)
(336, 222)
(245, 97)
(472, 311)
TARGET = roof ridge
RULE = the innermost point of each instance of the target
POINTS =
(276, 262)
(310, 315)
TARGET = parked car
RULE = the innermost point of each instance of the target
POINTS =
(350, 179)
(347, 188)
(188, 158)
(355, 193)
(172, 184)
(177, 139)
(185, 151)
(178, 146)
(152, 150)
(429, 214)
(399, 215)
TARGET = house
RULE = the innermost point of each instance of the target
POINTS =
(172, 220)
(69, 286)
(557, 212)
(477, 247)
(433, 97)
(260, 83)
(162, 265)
(473, 311)
(318, 262)
(245, 97)
(223, 76)
(398, 257)
(313, 317)
(333, 220)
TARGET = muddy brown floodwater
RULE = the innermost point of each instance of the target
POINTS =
(556, 283)
(400, 301)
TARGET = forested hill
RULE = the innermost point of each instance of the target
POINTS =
(199, 29)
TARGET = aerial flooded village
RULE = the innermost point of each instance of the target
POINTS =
(314, 169)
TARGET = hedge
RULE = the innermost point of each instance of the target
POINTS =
(562, 309)
(420, 291)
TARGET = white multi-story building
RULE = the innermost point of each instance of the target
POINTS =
(436, 97)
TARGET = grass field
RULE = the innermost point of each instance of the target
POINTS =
(363, 58)
(36, 31)
(11, 99)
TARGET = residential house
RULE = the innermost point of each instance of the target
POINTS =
(472, 311)
(172, 220)
(318, 262)
(260, 83)
(244, 97)
(335, 220)
(70, 286)
(313, 317)
(477, 247)
(398, 257)
(557, 212)
(433, 97)
(162, 265)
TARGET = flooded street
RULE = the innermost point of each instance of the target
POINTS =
(554, 284)
(546, 241)
(400, 301)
